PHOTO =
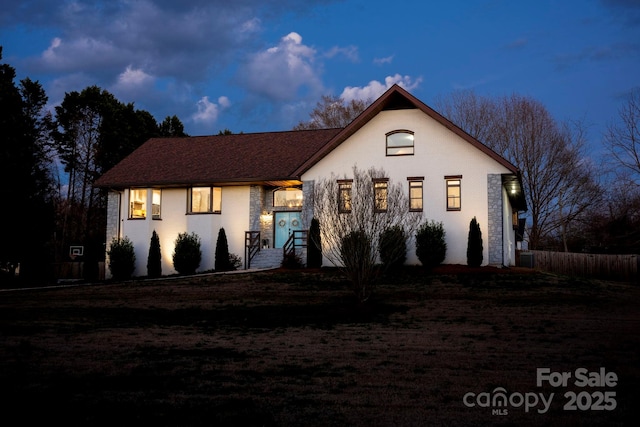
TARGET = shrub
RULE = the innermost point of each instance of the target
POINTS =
(187, 254)
(122, 258)
(222, 252)
(291, 261)
(474, 244)
(235, 261)
(393, 247)
(314, 248)
(154, 260)
(431, 248)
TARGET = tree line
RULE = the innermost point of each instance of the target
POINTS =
(49, 162)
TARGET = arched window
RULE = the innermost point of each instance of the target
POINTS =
(400, 143)
(289, 197)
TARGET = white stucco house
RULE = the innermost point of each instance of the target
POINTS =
(257, 184)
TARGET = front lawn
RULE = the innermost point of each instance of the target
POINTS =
(287, 348)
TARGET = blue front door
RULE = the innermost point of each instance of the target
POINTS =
(285, 223)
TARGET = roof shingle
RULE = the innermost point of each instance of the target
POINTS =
(252, 157)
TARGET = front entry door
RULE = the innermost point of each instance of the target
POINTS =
(285, 223)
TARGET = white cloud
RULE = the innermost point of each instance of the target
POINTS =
(375, 88)
(350, 52)
(132, 78)
(385, 60)
(208, 111)
(281, 72)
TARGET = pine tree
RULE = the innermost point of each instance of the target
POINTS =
(474, 244)
(154, 263)
(222, 252)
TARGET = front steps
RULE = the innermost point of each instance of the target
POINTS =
(272, 258)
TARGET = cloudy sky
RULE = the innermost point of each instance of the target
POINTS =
(261, 65)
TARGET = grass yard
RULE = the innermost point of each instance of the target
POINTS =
(289, 348)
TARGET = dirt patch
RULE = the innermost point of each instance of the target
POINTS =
(292, 348)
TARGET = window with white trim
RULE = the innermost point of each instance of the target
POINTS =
(156, 199)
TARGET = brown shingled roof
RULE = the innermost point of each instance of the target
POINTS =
(237, 158)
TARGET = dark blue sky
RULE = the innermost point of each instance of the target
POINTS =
(260, 65)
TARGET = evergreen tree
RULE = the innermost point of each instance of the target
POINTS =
(26, 176)
(154, 260)
(314, 249)
(222, 259)
(474, 244)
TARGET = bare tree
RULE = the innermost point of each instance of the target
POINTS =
(623, 138)
(333, 112)
(353, 212)
(558, 181)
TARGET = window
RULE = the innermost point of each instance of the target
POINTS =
(400, 143)
(415, 194)
(344, 196)
(156, 197)
(205, 200)
(453, 192)
(380, 193)
(288, 197)
(138, 203)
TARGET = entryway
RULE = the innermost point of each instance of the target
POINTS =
(284, 224)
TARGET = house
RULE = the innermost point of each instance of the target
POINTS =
(260, 182)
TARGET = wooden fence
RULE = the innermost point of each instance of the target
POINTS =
(612, 267)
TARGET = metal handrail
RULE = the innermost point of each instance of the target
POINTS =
(251, 247)
(297, 239)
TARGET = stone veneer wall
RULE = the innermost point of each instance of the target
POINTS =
(113, 223)
(494, 232)
(307, 200)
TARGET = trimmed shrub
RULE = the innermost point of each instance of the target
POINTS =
(314, 251)
(355, 250)
(474, 244)
(291, 261)
(122, 258)
(222, 252)
(154, 260)
(393, 247)
(431, 248)
(187, 254)
(235, 261)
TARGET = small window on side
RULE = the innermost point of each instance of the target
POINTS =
(454, 194)
(344, 196)
(156, 199)
(415, 195)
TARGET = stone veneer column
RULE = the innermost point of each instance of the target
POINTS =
(255, 207)
(494, 227)
(307, 203)
(113, 223)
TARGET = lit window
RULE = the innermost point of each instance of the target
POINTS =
(453, 193)
(205, 200)
(156, 197)
(400, 143)
(344, 196)
(380, 192)
(415, 194)
(287, 197)
(138, 203)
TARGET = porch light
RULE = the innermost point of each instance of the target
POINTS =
(266, 216)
